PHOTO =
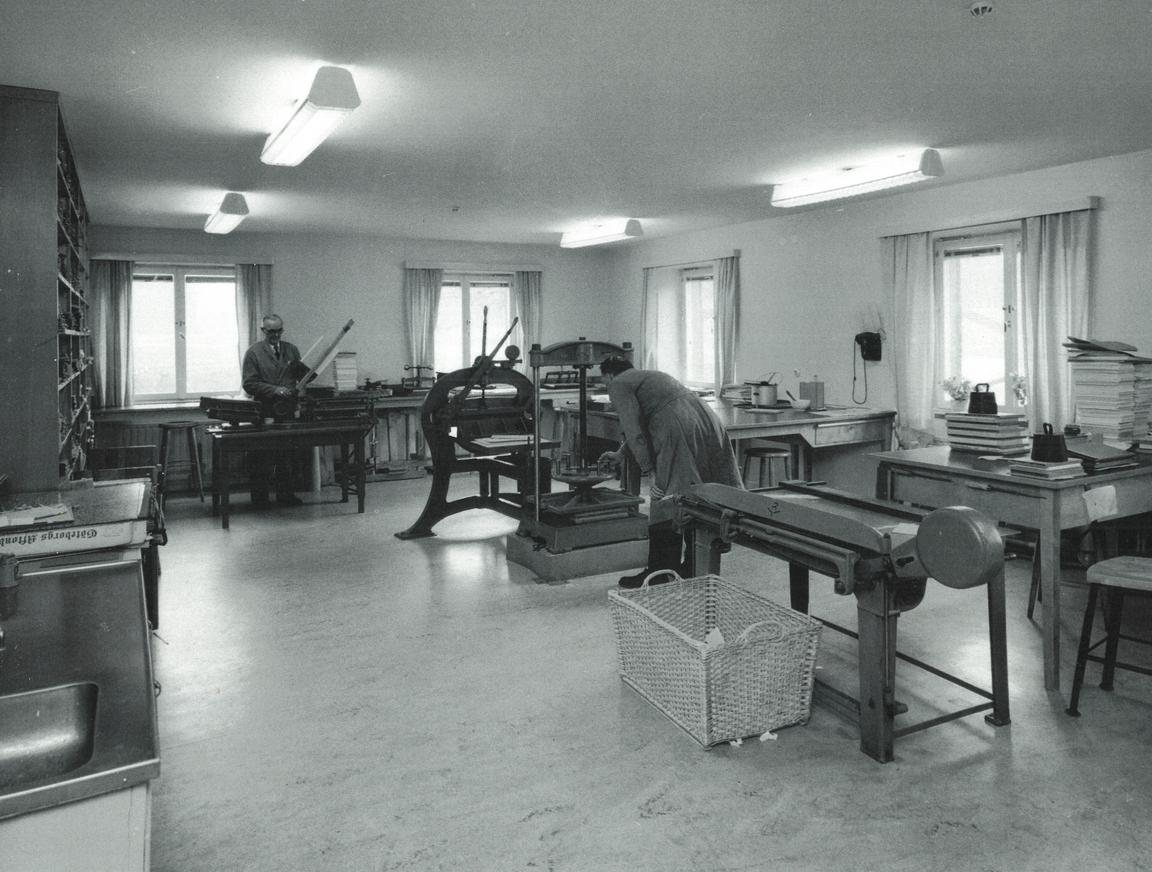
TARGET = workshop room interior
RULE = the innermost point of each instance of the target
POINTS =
(550, 436)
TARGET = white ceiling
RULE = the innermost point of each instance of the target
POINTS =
(513, 120)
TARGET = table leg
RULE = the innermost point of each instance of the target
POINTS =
(225, 487)
(998, 643)
(1049, 548)
(876, 618)
(216, 464)
(361, 476)
(798, 586)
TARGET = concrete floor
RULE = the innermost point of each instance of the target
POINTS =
(337, 699)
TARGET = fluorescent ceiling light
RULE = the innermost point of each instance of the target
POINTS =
(332, 97)
(233, 209)
(904, 169)
(609, 230)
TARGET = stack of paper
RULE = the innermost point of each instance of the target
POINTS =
(1045, 469)
(1098, 457)
(1003, 433)
(345, 372)
(1112, 387)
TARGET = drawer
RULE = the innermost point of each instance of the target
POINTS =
(851, 431)
(1001, 502)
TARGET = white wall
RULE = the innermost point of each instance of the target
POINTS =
(321, 281)
(811, 281)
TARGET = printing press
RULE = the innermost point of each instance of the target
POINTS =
(586, 515)
(881, 553)
(486, 410)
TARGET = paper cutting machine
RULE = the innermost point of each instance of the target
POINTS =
(881, 553)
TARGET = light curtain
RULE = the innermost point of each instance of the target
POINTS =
(526, 305)
(111, 317)
(253, 302)
(909, 274)
(649, 319)
(1055, 302)
(421, 300)
(727, 284)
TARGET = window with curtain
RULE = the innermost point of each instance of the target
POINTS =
(980, 333)
(459, 334)
(681, 313)
(183, 332)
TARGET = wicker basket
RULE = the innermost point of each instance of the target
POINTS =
(758, 679)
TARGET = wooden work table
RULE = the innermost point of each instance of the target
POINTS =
(808, 433)
(937, 476)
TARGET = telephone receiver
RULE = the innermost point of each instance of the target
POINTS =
(869, 345)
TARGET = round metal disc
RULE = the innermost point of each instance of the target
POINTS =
(959, 546)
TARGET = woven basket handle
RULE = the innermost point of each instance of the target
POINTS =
(675, 576)
(768, 631)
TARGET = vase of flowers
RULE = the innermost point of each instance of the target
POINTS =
(957, 388)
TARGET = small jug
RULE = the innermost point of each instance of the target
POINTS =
(1049, 447)
(982, 401)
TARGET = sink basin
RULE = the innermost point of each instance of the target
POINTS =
(47, 733)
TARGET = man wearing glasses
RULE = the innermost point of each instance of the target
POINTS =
(271, 369)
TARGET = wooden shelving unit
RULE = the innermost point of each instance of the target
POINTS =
(46, 362)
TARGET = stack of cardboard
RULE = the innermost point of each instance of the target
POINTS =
(1052, 471)
(1112, 387)
(345, 371)
(1002, 433)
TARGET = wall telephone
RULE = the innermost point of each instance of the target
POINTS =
(870, 345)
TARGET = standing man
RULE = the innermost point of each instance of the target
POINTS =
(673, 435)
(271, 368)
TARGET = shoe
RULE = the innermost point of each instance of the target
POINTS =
(288, 500)
(664, 547)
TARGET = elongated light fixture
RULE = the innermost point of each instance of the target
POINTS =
(905, 169)
(233, 209)
(332, 97)
(608, 230)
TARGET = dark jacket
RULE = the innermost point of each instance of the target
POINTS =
(262, 372)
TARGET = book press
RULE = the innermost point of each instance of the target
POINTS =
(883, 554)
(494, 414)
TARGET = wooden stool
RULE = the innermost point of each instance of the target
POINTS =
(768, 456)
(191, 428)
(1120, 575)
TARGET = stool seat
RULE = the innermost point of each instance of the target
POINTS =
(191, 430)
(768, 456)
(1116, 577)
(1133, 573)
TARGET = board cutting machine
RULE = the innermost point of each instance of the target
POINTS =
(881, 553)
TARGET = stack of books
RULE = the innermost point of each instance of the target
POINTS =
(1098, 457)
(1112, 386)
(345, 372)
(1052, 471)
(1003, 433)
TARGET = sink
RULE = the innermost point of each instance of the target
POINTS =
(47, 733)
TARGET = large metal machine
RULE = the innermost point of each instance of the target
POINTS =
(486, 410)
(881, 553)
(586, 515)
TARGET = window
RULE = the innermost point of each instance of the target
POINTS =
(979, 333)
(699, 327)
(459, 337)
(183, 333)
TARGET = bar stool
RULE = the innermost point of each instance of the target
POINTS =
(191, 429)
(1121, 575)
(769, 457)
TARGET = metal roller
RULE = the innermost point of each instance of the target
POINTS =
(960, 547)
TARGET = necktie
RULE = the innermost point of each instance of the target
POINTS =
(276, 350)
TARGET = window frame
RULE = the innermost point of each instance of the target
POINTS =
(1008, 239)
(466, 280)
(179, 273)
(703, 272)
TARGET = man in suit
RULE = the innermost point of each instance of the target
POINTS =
(270, 372)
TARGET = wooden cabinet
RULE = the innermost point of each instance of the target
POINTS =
(46, 372)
